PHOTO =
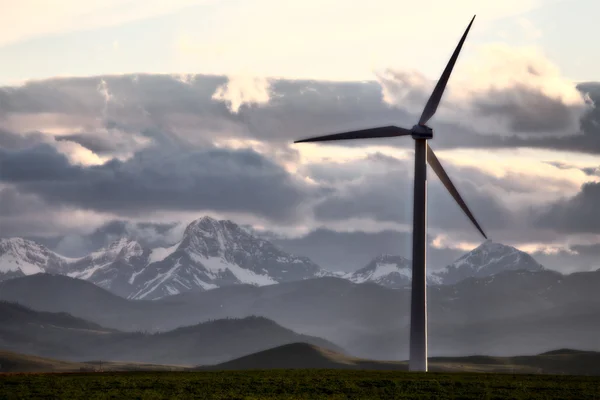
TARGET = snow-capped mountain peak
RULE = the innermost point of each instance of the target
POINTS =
(211, 254)
(123, 248)
(487, 259)
(214, 253)
(209, 237)
(387, 270)
(20, 257)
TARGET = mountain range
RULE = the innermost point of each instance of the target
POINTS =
(211, 254)
(486, 260)
(214, 254)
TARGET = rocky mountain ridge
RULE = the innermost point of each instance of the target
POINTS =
(211, 254)
(214, 254)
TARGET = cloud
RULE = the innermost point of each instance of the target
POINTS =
(32, 18)
(349, 251)
(577, 214)
(409, 90)
(508, 91)
(149, 234)
(14, 203)
(571, 258)
(145, 108)
(241, 90)
(11, 140)
(586, 141)
(146, 104)
(105, 94)
(27, 214)
(41, 163)
(160, 179)
(109, 142)
(590, 171)
(380, 188)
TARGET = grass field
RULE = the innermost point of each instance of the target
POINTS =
(17, 362)
(296, 384)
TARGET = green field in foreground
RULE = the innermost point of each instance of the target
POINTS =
(296, 384)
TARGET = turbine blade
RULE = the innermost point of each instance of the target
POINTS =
(439, 171)
(371, 133)
(436, 95)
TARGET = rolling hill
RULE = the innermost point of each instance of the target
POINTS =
(18, 362)
(306, 356)
(302, 356)
(513, 312)
(60, 335)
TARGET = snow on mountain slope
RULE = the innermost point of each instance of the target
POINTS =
(218, 253)
(214, 253)
(387, 270)
(160, 253)
(114, 267)
(211, 254)
(19, 257)
(486, 260)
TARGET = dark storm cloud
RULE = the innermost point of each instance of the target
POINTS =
(25, 214)
(580, 258)
(13, 203)
(97, 144)
(348, 251)
(384, 193)
(526, 110)
(559, 164)
(40, 163)
(155, 103)
(297, 109)
(300, 109)
(153, 93)
(148, 234)
(587, 250)
(590, 171)
(587, 140)
(11, 140)
(578, 214)
(156, 179)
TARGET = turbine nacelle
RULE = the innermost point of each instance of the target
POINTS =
(421, 132)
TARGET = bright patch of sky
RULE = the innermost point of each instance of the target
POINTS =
(318, 39)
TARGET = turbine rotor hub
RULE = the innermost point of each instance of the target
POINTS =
(421, 132)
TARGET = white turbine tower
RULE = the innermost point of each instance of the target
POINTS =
(423, 155)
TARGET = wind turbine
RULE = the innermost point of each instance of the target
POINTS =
(423, 155)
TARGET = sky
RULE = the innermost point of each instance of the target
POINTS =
(131, 117)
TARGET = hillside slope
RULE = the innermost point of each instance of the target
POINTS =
(305, 356)
(60, 335)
